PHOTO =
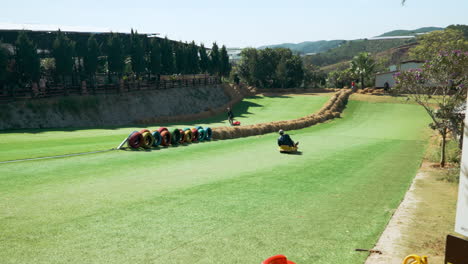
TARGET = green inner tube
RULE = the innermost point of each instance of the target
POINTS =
(201, 134)
(208, 133)
(175, 140)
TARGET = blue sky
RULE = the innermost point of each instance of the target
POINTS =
(240, 23)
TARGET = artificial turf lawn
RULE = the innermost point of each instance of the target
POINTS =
(32, 143)
(230, 201)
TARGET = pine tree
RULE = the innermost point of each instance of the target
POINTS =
(27, 59)
(180, 59)
(155, 57)
(225, 66)
(204, 60)
(3, 64)
(215, 60)
(115, 56)
(63, 51)
(193, 59)
(167, 57)
(91, 57)
(137, 54)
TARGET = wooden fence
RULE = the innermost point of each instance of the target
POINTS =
(33, 92)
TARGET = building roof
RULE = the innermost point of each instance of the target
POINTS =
(381, 73)
(409, 61)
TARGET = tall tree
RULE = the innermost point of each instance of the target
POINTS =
(91, 57)
(63, 51)
(215, 60)
(3, 64)
(225, 66)
(137, 54)
(193, 58)
(446, 76)
(167, 56)
(180, 58)
(362, 66)
(27, 59)
(155, 57)
(204, 60)
(115, 56)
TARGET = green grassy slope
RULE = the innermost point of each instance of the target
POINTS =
(231, 201)
(352, 48)
(19, 144)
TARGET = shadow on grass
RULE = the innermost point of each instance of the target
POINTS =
(292, 153)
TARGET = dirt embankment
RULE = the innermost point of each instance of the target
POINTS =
(119, 109)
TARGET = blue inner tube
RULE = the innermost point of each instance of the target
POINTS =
(208, 133)
(201, 134)
(199, 127)
(157, 138)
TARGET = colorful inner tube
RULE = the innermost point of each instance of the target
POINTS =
(208, 133)
(182, 136)
(157, 138)
(188, 136)
(161, 129)
(165, 138)
(194, 135)
(201, 134)
(144, 130)
(175, 140)
(135, 140)
(148, 140)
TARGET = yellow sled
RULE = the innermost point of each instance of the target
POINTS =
(287, 149)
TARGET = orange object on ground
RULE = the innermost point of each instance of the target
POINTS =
(278, 259)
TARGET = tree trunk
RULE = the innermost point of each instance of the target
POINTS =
(442, 149)
(362, 81)
(462, 133)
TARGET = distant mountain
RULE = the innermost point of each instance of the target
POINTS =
(402, 32)
(308, 46)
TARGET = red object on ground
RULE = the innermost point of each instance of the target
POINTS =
(161, 129)
(194, 135)
(278, 259)
(165, 138)
(135, 140)
(182, 136)
(236, 123)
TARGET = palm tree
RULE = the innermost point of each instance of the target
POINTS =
(362, 66)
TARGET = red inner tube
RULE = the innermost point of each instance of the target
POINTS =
(165, 138)
(135, 140)
(161, 129)
(182, 136)
(194, 135)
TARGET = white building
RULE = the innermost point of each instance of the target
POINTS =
(383, 77)
(234, 54)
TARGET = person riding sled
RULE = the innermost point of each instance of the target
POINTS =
(230, 115)
(285, 142)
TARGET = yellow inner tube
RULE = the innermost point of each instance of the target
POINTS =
(188, 136)
(286, 148)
